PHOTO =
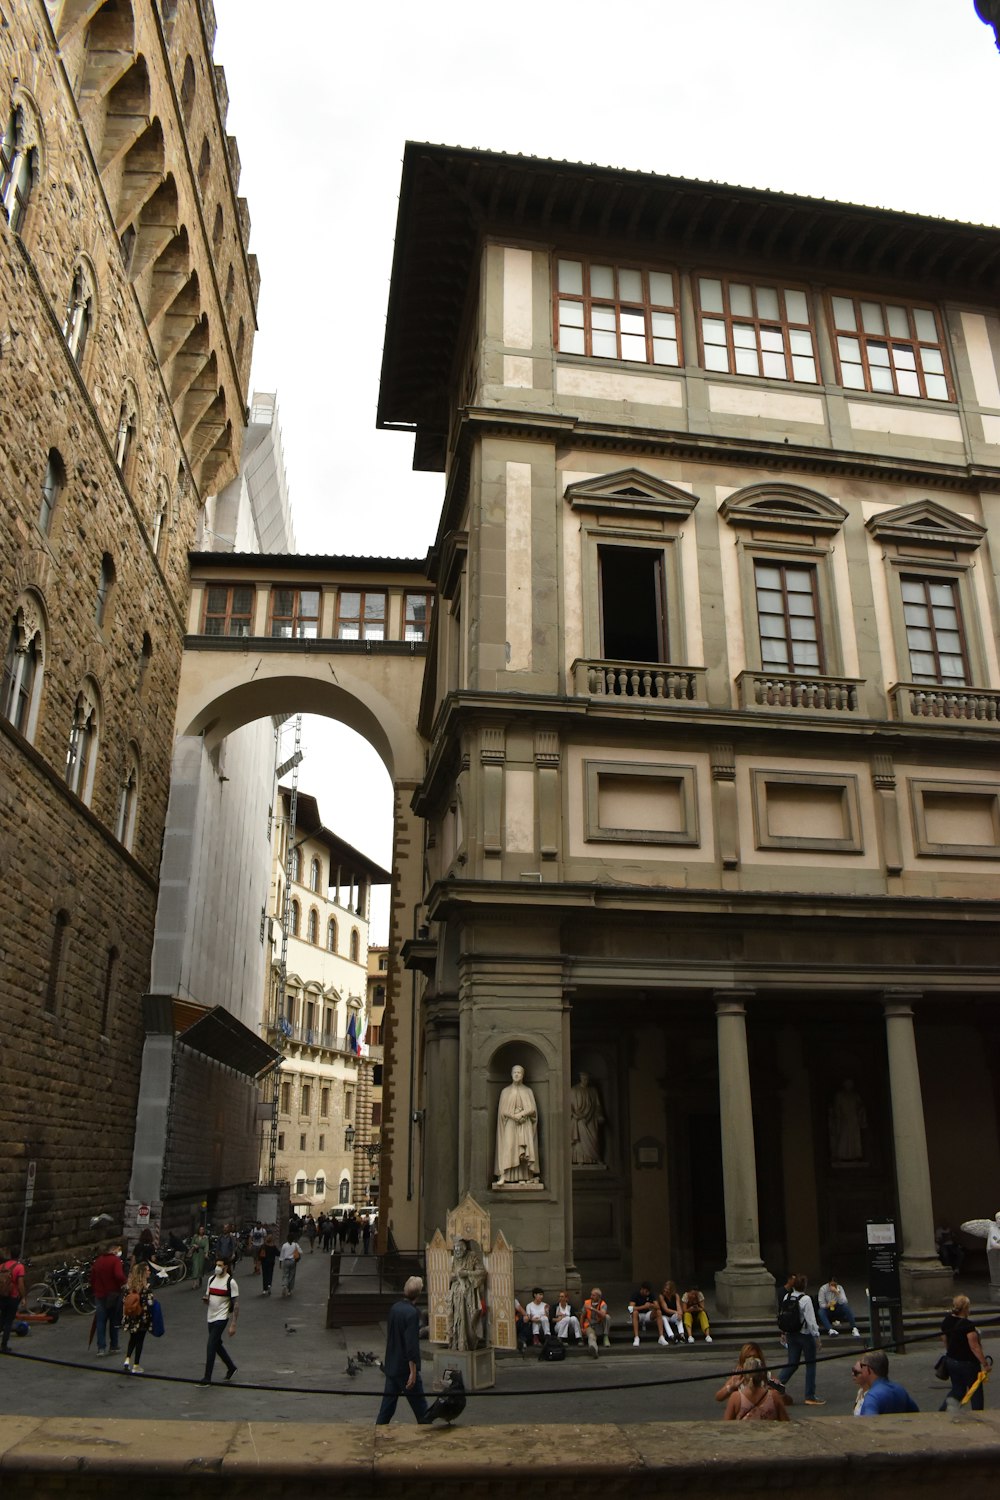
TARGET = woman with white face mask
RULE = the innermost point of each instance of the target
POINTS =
(222, 1298)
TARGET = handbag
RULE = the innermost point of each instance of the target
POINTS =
(941, 1368)
(156, 1319)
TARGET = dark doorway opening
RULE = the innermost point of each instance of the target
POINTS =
(632, 597)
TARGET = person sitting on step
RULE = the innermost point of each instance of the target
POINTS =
(694, 1312)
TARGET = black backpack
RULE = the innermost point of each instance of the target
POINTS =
(790, 1313)
(552, 1349)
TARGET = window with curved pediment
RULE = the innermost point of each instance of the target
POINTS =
(785, 534)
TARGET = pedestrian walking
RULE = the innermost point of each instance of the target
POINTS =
(268, 1255)
(797, 1321)
(352, 1231)
(964, 1357)
(291, 1254)
(222, 1297)
(311, 1234)
(11, 1292)
(137, 1315)
(258, 1235)
(366, 1233)
(199, 1255)
(107, 1277)
(402, 1357)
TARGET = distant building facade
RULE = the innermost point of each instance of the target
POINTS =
(127, 316)
(713, 799)
(319, 1018)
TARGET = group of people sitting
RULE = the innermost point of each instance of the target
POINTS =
(674, 1316)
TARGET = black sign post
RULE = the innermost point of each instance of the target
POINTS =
(885, 1298)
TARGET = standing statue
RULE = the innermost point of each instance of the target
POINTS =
(465, 1296)
(517, 1134)
(847, 1120)
(988, 1230)
(586, 1118)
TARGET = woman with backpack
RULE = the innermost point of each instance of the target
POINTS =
(753, 1398)
(137, 1314)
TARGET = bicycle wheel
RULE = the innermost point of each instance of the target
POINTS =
(82, 1298)
(40, 1298)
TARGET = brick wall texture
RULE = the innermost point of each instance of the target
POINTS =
(119, 110)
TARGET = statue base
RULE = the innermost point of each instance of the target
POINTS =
(535, 1186)
(477, 1367)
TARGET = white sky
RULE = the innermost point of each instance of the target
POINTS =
(885, 102)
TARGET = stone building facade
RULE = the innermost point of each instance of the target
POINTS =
(319, 1017)
(127, 300)
(712, 800)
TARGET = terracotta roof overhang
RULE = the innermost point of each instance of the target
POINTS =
(451, 199)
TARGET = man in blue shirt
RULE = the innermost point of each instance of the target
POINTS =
(877, 1394)
(402, 1357)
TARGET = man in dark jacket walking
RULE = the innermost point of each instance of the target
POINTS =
(402, 1357)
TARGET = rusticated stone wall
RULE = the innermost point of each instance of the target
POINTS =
(135, 182)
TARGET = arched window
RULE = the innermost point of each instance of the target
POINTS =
(56, 953)
(125, 436)
(296, 918)
(18, 164)
(161, 517)
(300, 1185)
(331, 936)
(187, 90)
(110, 974)
(204, 163)
(355, 946)
(79, 319)
(295, 864)
(145, 657)
(344, 1195)
(52, 486)
(230, 287)
(320, 1185)
(81, 753)
(312, 926)
(128, 800)
(22, 669)
(241, 334)
(105, 587)
(314, 873)
(218, 228)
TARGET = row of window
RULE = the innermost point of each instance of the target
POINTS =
(294, 614)
(20, 700)
(750, 328)
(788, 614)
(308, 1093)
(312, 931)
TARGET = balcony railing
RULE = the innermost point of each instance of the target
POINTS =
(924, 703)
(310, 1036)
(791, 694)
(645, 682)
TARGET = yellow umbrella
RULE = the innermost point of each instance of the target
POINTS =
(980, 1379)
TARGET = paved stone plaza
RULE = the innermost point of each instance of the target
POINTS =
(283, 1344)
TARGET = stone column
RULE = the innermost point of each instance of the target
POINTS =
(745, 1288)
(925, 1281)
(440, 1119)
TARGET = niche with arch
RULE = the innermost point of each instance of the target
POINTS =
(537, 1076)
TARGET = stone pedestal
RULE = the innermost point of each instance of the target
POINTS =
(477, 1367)
(926, 1283)
(745, 1292)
